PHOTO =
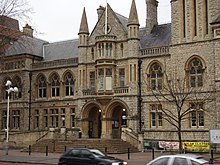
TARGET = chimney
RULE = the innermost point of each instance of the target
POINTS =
(100, 11)
(28, 31)
(151, 18)
(9, 23)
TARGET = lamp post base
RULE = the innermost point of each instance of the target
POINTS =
(6, 148)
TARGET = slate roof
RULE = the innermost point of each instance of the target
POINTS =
(160, 36)
(122, 19)
(26, 45)
(61, 50)
(217, 20)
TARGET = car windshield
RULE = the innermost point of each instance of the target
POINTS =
(97, 153)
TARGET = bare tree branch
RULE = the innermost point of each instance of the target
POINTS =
(181, 99)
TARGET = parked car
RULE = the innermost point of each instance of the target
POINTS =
(88, 156)
(180, 159)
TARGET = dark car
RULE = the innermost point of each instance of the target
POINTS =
(88, 156)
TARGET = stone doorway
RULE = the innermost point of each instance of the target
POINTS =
(95, 123)
(119, 120)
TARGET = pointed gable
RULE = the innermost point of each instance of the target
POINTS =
(133, 17)
(116, 22)
(84, 24)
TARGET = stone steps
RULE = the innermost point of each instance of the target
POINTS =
(106, 145)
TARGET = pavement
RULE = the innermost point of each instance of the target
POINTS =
(17, 156)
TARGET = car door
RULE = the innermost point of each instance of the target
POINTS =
(87, 157)
(74, 157)
(181, 161)
(161, 161)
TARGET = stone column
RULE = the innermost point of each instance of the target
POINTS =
(140, 141)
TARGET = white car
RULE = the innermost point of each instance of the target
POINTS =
(180, 159)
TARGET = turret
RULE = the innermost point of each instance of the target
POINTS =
(83, 30)
(133, 22)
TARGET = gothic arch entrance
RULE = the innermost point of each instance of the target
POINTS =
(117, 112)
(91, 120)
(95, 123)
(118, 121)
(104, 120)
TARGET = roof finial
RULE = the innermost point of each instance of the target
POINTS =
(106, 18)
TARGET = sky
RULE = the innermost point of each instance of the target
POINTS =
(59, 20)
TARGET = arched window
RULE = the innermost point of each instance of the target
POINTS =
(196, 73)
(42, 87)
(69, 85)
(17, 83)
(55, 86)
(156, 76)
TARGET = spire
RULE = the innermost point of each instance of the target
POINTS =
(84, 25)
(133, 17)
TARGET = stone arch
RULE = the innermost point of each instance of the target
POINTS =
(16, 77)
(17, 81)
(91, 118)
(68, 82)
(65, 73)
(189, 60)
(155, 75)
(4, 80)
(85, 109)
(52, 74)
(114, 103)
(116, 115)
(150, 65)
(39, 76)
(195, 71)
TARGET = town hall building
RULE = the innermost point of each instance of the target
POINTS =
(111, 82)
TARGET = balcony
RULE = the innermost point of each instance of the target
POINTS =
(49, 64)
(155, 51)
(121, 90)
(116, 91)
(88, 92)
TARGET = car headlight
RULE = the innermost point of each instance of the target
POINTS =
(116, 163)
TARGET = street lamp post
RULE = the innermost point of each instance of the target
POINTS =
(9, 90)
